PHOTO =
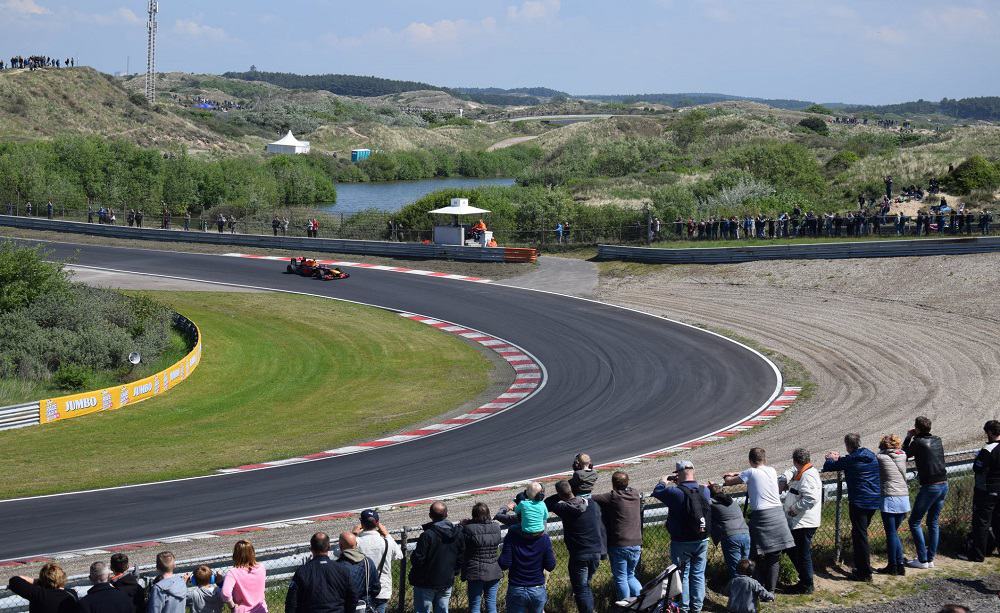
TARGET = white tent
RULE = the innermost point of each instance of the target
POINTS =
(459, 206)
(289, 144)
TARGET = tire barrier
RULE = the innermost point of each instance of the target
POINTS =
(329, 245)
(813, 251)
(111, 398)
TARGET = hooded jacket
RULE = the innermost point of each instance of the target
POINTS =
(583, 481)
(862, 475)
(129, 584)
(892, 472)
(727, 518)
(205, 599)
(437, 557)
(621, 511)
(987, 468)
(583, 529)
(364, 573)
(482, 542)
(104, 598)
(168, 595)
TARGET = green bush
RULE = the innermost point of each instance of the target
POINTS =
(815, 124)
(840, 162)
(975, 173)
(783, 165)
(819, 109)
(71, 378)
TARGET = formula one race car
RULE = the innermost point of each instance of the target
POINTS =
(308, 267)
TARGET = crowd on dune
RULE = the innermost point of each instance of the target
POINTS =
(596, 526)
(33, 62)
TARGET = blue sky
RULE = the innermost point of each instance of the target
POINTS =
(872, 51)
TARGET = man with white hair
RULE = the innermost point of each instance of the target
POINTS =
(102, 596)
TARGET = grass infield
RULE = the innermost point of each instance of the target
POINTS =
(282, 375)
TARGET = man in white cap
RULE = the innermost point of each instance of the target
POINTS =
(688, 523)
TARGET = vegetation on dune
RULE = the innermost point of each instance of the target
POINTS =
(324, 373)
(342, 84)
(60, 335)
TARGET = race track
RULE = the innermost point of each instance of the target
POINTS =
(620, 383)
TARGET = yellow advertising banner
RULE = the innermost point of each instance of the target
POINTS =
(116, 397)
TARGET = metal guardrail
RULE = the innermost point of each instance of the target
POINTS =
(331, 245)
(811, 251)
(19, 416)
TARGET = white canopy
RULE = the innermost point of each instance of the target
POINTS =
(459, 206)
(290, 140)
(288, 145)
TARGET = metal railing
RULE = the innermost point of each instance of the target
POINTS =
(19, 416)
(830, 546)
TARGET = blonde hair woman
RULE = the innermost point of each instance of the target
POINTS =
(45, 594)
(243, 588)
(895, 500)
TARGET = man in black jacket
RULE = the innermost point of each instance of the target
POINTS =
(585, 540)
(127, 582)
(985, 497)
(367, 583)
(928, 453)
(436, 561)
(321, 585)
(102, 596)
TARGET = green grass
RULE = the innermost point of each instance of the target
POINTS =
(281, 375)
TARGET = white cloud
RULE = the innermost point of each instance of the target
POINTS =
(534, 10)
(120, 15)
(956, 19)
(887, 35)
(23, 7)
(194, 29)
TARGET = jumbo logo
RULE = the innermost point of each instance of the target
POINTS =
(176, 373)
(80, 404)
(139, 390)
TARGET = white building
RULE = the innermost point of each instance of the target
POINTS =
(289, 145)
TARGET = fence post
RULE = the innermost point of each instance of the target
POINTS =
(836, 525)
(401, 607)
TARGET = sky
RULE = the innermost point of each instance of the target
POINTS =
(858, 51)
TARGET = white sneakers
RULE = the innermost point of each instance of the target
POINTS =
(918, 564)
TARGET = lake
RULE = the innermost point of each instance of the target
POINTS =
(394, 195)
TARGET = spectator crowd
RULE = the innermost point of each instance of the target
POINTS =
(598, 527)
(33, 62)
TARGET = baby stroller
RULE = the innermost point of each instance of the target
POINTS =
(656, 595)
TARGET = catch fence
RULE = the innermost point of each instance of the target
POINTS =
(831, 547)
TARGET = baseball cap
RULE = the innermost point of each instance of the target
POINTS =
(369, 515)
(684, 465)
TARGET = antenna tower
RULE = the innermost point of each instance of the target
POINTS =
(151, 53)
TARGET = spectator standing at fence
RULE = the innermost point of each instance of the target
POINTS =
(130, 217)
(374, 541)
(284, 226)
(138, 218)
(804, 511)
(526, 558)
(435, 561)
(729, 529)
(363, 573)
(529, 509)
(243, 588)
(48, 210)
(275, 224)
(126, 581)
(232, 224)
(320, 585)
(745, 592)
(986, 497)
(621, 511)
(895, 500)
(927, 452)
(220, 222)
(584, 476)
(688, 521)
(27, 208)
(187, 221)
(769, 533)
(47, 593)
(168, 593)
(480, 568)
(102, 597)
(583, 532)
(205, 596)
(861, 471)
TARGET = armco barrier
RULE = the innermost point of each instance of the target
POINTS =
(329, 245)
(808, 251)
(110, 398)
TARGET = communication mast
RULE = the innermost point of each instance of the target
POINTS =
(154, 7)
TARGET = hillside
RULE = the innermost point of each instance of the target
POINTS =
(82, 101)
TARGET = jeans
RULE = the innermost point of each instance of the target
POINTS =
(929, 501)
(380, 604)
(802, 557)
(691, 557)
(985, 516)
(580, 574)
(734, 549)
(860, 519)
(893, 546)
(426, 599)
(623, 562)
(479, 589)
(526, 599)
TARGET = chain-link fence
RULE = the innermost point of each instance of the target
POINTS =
(831, 547)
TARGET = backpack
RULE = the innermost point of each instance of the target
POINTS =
(695, 512)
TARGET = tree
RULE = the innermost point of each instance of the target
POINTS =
(815, 124)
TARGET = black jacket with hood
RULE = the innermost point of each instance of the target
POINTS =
(583, 528)
(482, 542)
(438, 556)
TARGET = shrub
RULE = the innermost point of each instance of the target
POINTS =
(819, 109)
(815, 124)
(783, 165)
(975, 173)
(71, 377)
(841, 162)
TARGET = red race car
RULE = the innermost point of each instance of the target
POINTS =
(308, 267)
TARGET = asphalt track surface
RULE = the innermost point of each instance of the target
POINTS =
(620, 383)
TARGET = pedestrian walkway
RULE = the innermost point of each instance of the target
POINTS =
(571, 276)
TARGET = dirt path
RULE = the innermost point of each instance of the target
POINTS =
(510, 142)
